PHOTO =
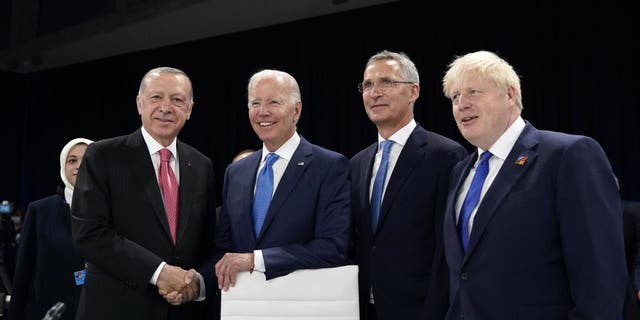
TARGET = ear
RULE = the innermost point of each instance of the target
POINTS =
(297, 111)
(415, 92)
(511, 96)
(139, 104)
(189, 108)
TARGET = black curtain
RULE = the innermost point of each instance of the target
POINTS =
(579, 75)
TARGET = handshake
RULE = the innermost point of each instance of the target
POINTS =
(177, 285)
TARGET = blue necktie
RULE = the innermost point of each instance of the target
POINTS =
(473, 195)
(378, 184)
(264, 190)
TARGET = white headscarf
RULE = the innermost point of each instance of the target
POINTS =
(68, 189)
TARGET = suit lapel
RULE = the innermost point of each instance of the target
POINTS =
(365, 171)
(411, 154)
(299, 162)
(247, 185)
(450, 215)
(186, 189)
(142, 169)
(507, 177)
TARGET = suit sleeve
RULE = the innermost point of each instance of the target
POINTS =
(589, 216)
(25, 265)
(329, 244)
(437, 300)
(94, 237)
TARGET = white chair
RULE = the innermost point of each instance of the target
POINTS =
(318, 294)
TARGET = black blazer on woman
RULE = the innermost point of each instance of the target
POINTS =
(46, 262)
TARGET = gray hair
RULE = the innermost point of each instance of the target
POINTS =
(294, 89)
(407, 67)
(165, 70)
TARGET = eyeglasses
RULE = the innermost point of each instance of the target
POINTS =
(383, 84)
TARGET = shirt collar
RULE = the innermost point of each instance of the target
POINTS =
(286, 150)
(504, 144)
(154, 146)
(401, 136)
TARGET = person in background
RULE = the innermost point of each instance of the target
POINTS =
(398, 238)
(239, 156)
(143, 213)
(533, 227)
(301, 219)
(48, 269)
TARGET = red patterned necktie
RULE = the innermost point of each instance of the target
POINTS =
(169, 189)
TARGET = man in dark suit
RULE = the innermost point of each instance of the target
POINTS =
(305, 222)
(134, 251)
(402, 272)
(539, 234)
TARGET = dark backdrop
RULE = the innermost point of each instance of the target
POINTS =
(578, 66)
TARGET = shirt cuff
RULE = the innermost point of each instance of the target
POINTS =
(258, 261)
(203, 289)
(156, 275)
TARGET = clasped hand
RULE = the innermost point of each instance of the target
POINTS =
(177, 285)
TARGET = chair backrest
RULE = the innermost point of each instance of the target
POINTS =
(330, 293)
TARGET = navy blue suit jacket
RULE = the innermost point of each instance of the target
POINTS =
(404, 261)
(308, 222)
(547, 239)
(46, 262)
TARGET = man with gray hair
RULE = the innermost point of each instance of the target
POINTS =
(143, 213)
(399, 186)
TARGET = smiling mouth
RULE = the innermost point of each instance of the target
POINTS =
(467, 119)
(265, 124)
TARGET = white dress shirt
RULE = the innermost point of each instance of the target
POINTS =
(399, 138)
(500, 150)
(285, 153)
(154, 151)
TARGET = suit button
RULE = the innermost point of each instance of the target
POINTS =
(464, 276)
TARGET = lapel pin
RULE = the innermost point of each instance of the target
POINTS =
(301, 163)
(189, 164)
(521, 160)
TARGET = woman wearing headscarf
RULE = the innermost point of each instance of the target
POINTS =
(48, 270)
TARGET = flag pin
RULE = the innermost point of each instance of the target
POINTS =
(521, 160)
(301, 163)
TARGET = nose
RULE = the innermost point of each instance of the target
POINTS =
(165, 106)
(375, 91)
(263, 109)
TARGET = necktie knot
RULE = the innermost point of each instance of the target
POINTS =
(484, 158)
(271, 158)
(165, 155)
(386, 146)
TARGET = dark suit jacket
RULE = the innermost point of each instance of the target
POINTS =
(308, 222)
(399, 260)
(119, 225)
(547, 239)
(46, 262)
(631, 220)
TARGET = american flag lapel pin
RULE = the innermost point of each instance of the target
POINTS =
(521, 160)
(301, 163)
